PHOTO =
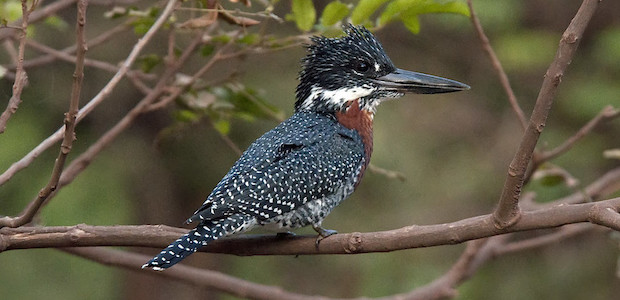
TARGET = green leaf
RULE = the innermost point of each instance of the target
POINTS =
(11, 11)
(184, 115)
(222, 126)
(364, 10)
(334, 12)
(249, 39)
(207, 50)
(408, 11)
(304, 14)
(412, 22)
(149, 61)
(56, 23)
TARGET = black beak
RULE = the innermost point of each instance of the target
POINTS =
(404, 81)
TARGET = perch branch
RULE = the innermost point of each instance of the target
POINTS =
(409, 237)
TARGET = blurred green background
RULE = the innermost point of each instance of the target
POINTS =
(453, 150)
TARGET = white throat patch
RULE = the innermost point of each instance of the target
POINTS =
(337, 97)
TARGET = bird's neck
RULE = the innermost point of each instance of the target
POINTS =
(359, 119)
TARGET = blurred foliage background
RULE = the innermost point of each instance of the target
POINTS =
(453, 150)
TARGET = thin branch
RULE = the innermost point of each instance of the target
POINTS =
(409, 237)
(196, 276)
(98, 99)
(387, 173)
(21, 78)
(609, 112)
(96, 41)
(70, 122)
(503, 78)
(507, 212)
(545, 240)
(605, 185)
(87, 62)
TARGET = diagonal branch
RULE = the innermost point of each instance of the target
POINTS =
(507, 212)
(609, 112)
(503, 78)
(70, 122)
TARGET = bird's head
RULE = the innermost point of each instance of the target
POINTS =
(337, 71)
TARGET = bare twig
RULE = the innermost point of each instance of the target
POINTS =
(503, 78)
(609, 112)
(98, 99)
(544, 240)
(87, 62)
(507, 212)
(99, 39)
(387, 173)
(21, 78)
(70, 122)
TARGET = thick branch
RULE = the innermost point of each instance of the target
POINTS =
(346, 243)
(507, 212)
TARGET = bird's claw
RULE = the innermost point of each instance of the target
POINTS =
(323, 233)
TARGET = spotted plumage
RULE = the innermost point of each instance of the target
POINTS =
(295, 174)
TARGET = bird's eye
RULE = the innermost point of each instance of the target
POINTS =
(361, 66)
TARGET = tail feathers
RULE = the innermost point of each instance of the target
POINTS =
(198, 237)
(181, 248)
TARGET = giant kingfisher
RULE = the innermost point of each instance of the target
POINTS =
(295, 174)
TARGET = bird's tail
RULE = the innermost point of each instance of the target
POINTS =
(193, 240)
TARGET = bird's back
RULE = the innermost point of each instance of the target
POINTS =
(292, 176)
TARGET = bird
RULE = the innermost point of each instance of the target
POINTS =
(295, 174)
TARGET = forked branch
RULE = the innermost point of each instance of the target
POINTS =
(508, 212)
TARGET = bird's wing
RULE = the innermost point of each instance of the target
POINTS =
(286, 168)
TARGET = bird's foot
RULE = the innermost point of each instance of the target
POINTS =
(323, 233)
